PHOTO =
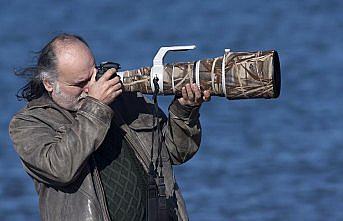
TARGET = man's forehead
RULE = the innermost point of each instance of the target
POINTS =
(71, 50)
(77, 72)
(75, 61)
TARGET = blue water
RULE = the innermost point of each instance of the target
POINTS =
(259, 159)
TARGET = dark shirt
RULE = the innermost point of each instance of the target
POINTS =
(123, 178)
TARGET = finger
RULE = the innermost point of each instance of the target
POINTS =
(112, 93)
(93, 75)
(190, 93)
(116, 93)
(184, 93)
(116, 86)
(196, 91)
(114, 81)
(197, 94)
(108, 74)
(207, 95)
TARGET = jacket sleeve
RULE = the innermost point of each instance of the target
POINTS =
(55, 157)
(182, 132)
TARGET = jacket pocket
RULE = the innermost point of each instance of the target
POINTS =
(86, 207)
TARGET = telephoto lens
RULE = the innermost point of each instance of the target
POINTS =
(235, 75)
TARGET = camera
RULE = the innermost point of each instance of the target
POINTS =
(104, 66)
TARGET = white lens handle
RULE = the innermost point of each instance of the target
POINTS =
(157, 69)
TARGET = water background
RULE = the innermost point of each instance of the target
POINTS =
(259, 159)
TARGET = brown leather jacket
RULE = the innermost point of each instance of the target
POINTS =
(56, 150)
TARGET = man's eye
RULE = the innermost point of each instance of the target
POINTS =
(81, 84)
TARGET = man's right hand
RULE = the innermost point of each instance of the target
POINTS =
(105, 89)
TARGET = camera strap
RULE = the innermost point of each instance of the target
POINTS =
(157, 202)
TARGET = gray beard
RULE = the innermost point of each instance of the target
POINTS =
(72, 102)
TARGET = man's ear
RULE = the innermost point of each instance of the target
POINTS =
(48, 85)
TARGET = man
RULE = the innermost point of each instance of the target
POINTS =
(87, 144)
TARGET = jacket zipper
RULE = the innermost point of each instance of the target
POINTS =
(101, 190)
(130, 141)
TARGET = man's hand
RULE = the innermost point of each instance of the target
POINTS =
(105, 89)
(191, 95)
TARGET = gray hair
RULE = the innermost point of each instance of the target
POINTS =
(46, 68)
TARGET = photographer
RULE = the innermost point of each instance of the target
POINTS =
(87, 143)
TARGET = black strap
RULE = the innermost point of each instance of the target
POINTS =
(157, 203)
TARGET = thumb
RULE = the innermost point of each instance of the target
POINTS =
(93, 76)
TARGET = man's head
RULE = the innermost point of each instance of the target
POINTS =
(74, 66)
(64, 67)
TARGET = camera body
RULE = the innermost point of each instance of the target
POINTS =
(104, 66)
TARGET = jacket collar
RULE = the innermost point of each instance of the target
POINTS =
(43, 101)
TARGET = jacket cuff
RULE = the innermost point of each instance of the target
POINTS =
(184, 111)
(97, 109)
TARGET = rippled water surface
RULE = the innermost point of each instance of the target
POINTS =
(259, 159)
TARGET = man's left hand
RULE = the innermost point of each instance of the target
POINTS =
(191, 95)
